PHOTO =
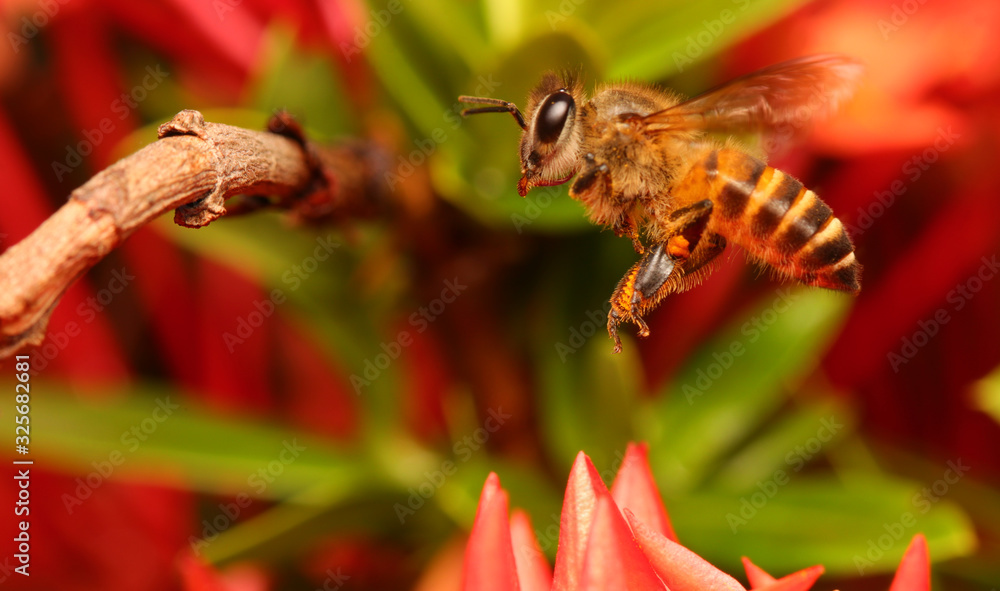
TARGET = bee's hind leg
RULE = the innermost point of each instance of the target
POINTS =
(637, 289)
(663, 267)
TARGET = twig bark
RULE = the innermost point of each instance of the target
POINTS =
(193, 168)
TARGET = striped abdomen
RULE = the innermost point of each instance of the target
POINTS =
(776, 219)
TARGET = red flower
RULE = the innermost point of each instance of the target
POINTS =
(914, 572)
(799, 581)
(619, 539)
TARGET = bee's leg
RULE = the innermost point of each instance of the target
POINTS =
(626, 226)
(591, 177)
(593, 185)
(663, 268)
(653, 270)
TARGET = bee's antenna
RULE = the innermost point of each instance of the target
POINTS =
(498, 106)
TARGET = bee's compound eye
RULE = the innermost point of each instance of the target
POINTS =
(552, 116)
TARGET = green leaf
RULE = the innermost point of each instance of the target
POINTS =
(461, 36)
(866, 523)
(404, 82)
(792, 442)
(303, 84)
(565, 403)
(587, 394)
(158, 435)
(737, 380)
(286, 530)
(651, 42)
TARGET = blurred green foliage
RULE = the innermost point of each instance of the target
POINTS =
(709, 450)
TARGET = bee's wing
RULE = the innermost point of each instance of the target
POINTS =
(790, 92)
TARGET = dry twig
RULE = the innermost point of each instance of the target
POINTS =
(193, 168)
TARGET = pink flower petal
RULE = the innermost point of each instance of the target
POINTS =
(756, 575)
(613, 559)
(797, 581)
(635, 489)
(489, 557)
(914, 572)
(575, 524)
(533, 569)
(680, 568)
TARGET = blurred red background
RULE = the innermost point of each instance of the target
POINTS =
(909, 167)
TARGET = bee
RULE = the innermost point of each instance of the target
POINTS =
(644, 159)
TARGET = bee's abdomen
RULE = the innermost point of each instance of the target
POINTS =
(776, 219)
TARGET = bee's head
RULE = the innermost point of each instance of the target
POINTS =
(551, 140)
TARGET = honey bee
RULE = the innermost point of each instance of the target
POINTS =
(645, 159)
